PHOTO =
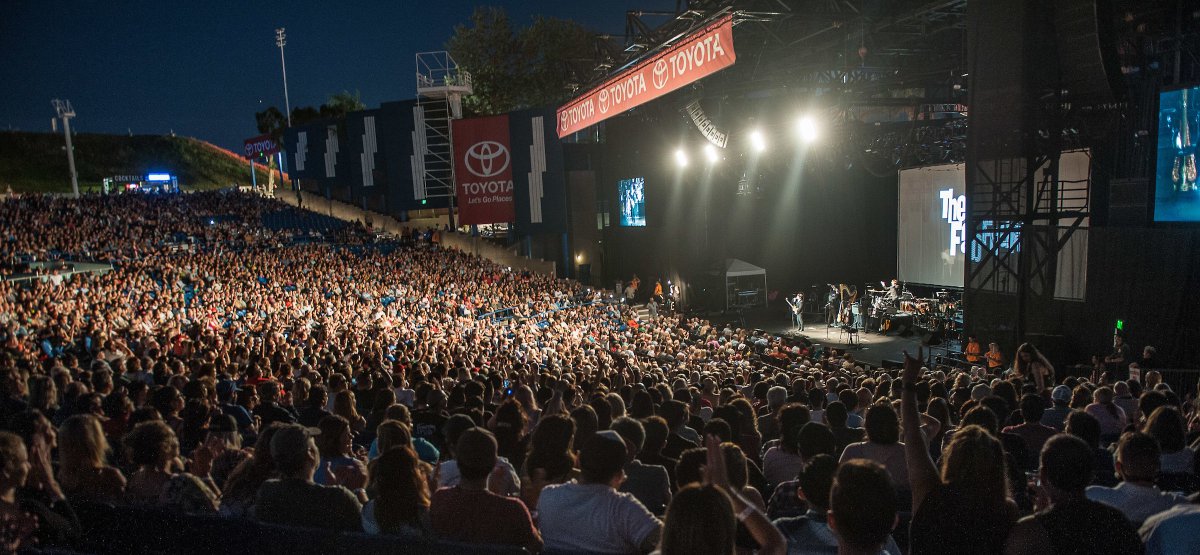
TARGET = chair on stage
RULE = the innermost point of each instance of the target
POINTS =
(851, 335)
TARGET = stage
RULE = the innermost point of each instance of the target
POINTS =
(869, 347)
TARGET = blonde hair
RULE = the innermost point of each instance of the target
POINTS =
(343, 405)
(81, 444)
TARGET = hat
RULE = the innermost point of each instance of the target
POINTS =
(1061, 393)
(227, 387)
(290, 442)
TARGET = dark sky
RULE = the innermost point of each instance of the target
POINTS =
(202, 68)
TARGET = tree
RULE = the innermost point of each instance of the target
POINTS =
(304, 114)
(538, 65)
(340, 104)
(271, 122)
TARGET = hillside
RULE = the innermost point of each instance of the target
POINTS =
(37, 162)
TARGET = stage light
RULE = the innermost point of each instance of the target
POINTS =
(807, 128)
(681, 158)
(710, 153)
(757, 141)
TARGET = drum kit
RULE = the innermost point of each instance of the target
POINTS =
(942, 311)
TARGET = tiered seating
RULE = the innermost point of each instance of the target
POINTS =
(302, 221)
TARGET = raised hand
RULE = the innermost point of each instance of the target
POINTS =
(912, 366)
(715, 472)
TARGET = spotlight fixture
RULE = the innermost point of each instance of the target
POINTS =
(710, 153)
(757, 141)
(807, 128)
(681, 158)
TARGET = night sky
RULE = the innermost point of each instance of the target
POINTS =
(203, 68)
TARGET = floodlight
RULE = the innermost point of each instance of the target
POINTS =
(807, 128)
(681, 158)
(757, 141)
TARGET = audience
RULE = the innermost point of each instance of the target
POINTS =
(493, 519)
(1066, 521)
(566, 512)
(294, 498)
(500, 407)
(1138, 466)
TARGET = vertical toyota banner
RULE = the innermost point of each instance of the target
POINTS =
(699, 55)
(483, 171)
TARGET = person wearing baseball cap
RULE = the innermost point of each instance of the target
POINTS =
(1056, 416)
(293, 499)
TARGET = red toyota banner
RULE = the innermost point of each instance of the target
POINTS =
(483, 171)
(261, 145)
(700, 55)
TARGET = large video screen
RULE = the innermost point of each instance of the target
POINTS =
(931, 242)
(631, 193)
(1176, 188)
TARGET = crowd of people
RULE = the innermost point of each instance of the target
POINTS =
(405, 389)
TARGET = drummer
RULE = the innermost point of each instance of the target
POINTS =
(893, 293)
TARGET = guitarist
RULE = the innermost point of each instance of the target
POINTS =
(796, 302)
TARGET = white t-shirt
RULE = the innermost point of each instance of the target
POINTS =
(1172, 531)
(1136, 502)
(593, 518)
(890, 456)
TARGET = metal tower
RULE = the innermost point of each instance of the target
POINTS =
(440, 88)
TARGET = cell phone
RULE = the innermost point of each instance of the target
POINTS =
(507, 384)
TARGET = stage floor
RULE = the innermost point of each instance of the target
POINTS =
(870, 347)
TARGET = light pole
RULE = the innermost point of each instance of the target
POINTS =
(65, 113)
(280, 40)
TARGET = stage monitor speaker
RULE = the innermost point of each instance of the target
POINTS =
(1087, 52)
(932, 339)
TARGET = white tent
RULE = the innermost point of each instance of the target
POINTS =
(738, 275)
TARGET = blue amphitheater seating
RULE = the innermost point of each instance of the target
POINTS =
(301, 221)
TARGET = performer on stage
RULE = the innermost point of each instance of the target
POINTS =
(796, 302)
(892, 296)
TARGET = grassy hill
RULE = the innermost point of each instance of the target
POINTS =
(37, 162)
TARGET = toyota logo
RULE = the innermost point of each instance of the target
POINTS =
(658, 75)
(486, 158)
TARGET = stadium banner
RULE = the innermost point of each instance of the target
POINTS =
(483, 179)
(261, 145)
(697, 56)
